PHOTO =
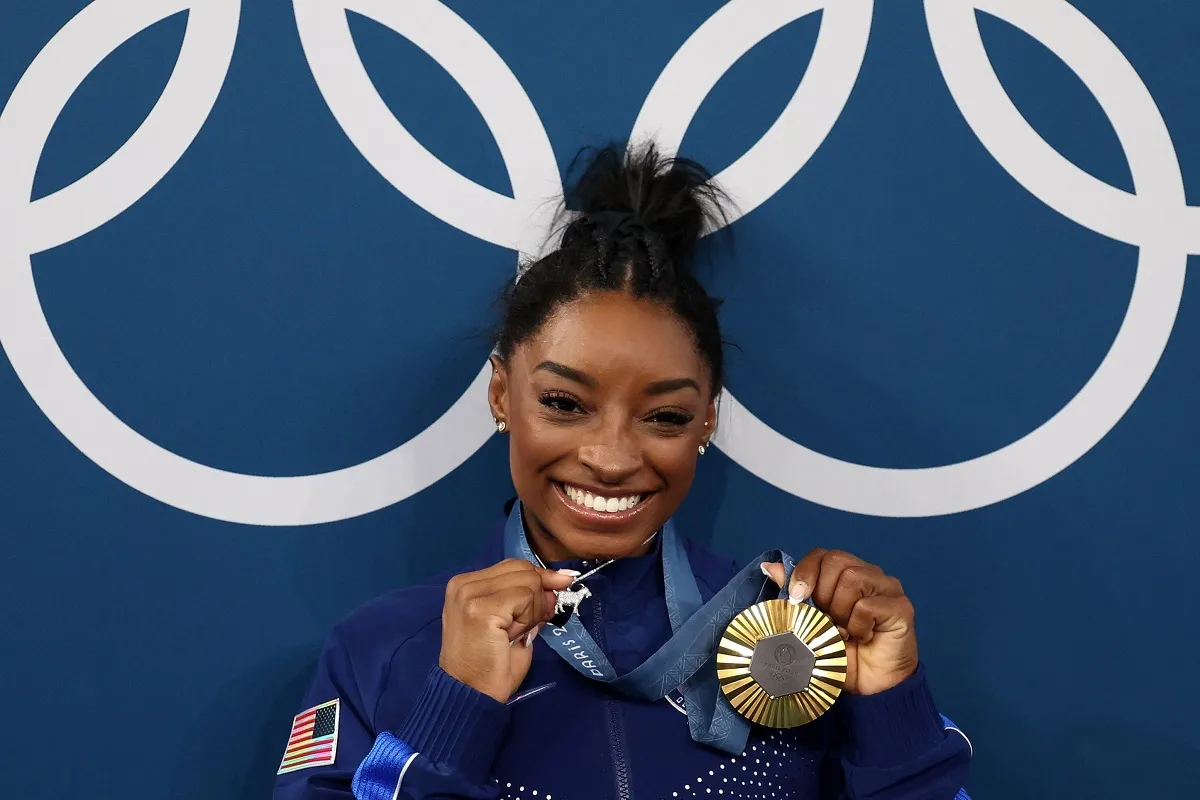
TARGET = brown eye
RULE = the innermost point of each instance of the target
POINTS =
(671, 419)
(562, 403)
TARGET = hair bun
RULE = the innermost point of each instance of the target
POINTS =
(630, 192)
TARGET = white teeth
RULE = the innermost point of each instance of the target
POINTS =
(596, 502)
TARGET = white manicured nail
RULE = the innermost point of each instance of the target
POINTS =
(798, 593)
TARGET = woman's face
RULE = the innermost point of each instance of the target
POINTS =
(606, 406)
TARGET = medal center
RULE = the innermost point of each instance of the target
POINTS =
(782, 664)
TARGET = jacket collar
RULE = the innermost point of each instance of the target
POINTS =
(626, 573)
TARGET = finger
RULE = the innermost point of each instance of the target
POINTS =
(513, 604)
(456, 585)
(879, 614)
(853, 583)
(861, 624)
(558, 579)
(804, 576)
(517, 629)
(536, 605)
(774, 571)
(510, 566)
(524, 636)
(549, 600)
(481, 587)
(531, 576)
(503, 568)
(518, 633)
(833, 563)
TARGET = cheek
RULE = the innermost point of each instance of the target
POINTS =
(535, 443)
(673, 458)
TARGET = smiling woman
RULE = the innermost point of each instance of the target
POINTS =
(607, 366)
(609, 359)
(604, 438)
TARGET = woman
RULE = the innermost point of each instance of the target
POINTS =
(605, 377)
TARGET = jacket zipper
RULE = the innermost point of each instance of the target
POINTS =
(616, 727)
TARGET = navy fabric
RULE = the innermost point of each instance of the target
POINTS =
(636, 621)
(579, 740)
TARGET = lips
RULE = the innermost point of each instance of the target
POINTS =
(593, 509)
(608, 504)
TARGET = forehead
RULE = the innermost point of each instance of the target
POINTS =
(609, 330)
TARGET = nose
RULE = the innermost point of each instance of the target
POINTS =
(613, 456)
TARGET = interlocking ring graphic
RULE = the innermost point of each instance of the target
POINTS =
(1155, 217)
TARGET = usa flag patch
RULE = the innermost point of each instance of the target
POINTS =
(313, 740)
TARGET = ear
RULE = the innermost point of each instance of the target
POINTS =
(710, 420)
(498, 389)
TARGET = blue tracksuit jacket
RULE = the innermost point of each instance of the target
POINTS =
(404, 729)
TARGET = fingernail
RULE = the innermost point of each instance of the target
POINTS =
(798, 593)
(765, 571)
(572, 573)
(529, 637)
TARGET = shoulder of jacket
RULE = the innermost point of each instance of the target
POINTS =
(383, 624)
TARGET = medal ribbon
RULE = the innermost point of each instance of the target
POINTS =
(686, 661)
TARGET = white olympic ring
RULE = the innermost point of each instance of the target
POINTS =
(1155, 217)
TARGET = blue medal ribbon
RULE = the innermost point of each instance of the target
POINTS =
(685, 661)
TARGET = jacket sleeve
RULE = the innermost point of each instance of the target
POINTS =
(328, 777)
(896, 746)
(443, 751)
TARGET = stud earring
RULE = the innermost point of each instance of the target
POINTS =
(701, 449)
(501, 426)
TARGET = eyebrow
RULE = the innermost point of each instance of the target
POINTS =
(563, 371)
(672, 385)
(656, 388)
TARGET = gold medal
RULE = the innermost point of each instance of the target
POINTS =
(780, 665)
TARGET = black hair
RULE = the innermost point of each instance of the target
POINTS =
(636, 218)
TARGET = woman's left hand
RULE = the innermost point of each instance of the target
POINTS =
(870, 610)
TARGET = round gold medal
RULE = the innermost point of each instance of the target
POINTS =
(780, 665)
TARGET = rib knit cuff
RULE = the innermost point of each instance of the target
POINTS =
(895, 726)
(381, 772)
(455, 727)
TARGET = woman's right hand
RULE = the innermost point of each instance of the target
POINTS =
(489, 621)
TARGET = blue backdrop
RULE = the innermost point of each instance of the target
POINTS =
(964, 351)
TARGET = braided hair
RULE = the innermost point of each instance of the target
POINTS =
(640, 217)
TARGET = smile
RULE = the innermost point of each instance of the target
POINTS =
(611, 507)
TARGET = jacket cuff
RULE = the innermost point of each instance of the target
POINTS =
(895, 726)
(456, 727)
(380, 774)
